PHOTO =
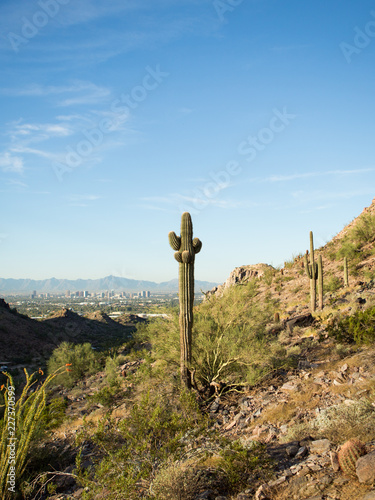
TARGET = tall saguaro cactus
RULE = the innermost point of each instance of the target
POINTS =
(185, 249)
(312, 272)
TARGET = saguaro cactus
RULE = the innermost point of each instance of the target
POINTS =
(312, 272)
(346, 272)
(186, 247)
(320, 281)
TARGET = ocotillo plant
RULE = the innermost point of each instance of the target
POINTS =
(312, 272)
(346, 272)
(320, 281)
(186, 247)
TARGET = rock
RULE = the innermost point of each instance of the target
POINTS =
(301, 452)
(334, 461)
(370, 495)
(365, 468)
(262, 493)
(277, 482)
(288, 387)
(215, 405)
(241, 275)
(320, 446)
(292, 451)
(302, 320)
(204, 495)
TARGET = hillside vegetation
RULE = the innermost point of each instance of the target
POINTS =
(276, 391)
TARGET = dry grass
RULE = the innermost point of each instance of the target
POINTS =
(305, 399)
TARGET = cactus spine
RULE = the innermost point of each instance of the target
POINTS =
(349, 454)
(320, 281)
(312, 272)
(186, 247)
(346, 272)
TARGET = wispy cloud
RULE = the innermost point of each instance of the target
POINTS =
(82, 200)
(85, 92)
(321, 195)
(17, 183)
(84, 197)
(178, 201)
(11, 163)
(305, 175)
(36, 132)
(289, 48)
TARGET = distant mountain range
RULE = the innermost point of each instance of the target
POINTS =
(53, 285)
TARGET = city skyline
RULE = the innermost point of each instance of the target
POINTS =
(254, 116)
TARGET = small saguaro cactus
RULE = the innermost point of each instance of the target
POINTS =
(320, 281)
(346, 272)
(349, 454)
(312, 272)
(186, 247)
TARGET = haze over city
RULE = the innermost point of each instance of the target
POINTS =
(256, 116)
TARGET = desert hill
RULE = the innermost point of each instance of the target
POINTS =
(25, 340)
(279, 390)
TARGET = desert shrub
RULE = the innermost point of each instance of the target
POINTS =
(135, 447)
(332, 284)
(230, 341)
(349, 249)
(80, 359)
(112, 364)
(106, 396)
(364, 231)
(229, 470)
(339, 423)
(358, 328)
(54, 413)
(164, 336)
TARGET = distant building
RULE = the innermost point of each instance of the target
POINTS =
(86, 293)
(33, 295)
(67, 294)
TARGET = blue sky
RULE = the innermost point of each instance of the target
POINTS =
(256, 116)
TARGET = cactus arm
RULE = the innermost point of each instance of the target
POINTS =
(307, 266)
(174, 240)
(197, 245)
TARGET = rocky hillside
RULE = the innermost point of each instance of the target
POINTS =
(273, 418)
(28, 341)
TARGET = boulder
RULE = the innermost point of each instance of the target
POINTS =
(301, 320)
(365, 468)
(320, 446)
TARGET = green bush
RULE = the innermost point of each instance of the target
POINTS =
(135, 447)
(358, 328)
(79, 359)
(364, 231)
(332, 284)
